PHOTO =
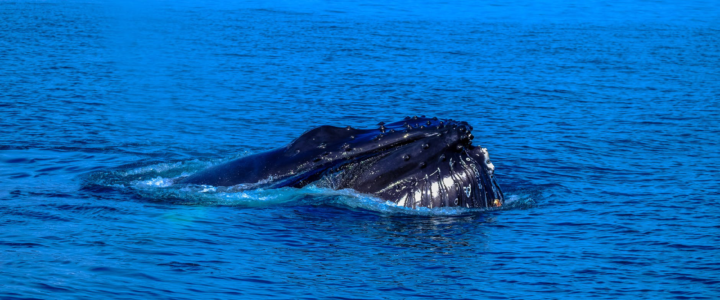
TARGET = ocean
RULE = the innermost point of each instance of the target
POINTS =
(602, 120)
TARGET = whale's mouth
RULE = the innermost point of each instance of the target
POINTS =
(159, 182)
(155, 183)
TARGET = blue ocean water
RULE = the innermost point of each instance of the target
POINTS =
(602, 119)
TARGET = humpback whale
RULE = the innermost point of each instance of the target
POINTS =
(416, 162)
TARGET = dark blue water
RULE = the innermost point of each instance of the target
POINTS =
(603, 121)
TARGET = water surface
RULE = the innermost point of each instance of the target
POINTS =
(602, 119)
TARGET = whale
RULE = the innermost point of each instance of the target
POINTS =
(417, 162)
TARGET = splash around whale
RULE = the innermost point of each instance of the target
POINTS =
(417, 162)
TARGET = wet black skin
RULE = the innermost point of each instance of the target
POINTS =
(417, 162)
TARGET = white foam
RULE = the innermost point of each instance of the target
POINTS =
(155, 182)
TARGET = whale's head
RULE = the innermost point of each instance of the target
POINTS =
(416, 162)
